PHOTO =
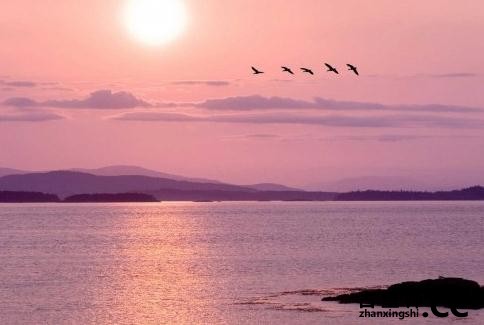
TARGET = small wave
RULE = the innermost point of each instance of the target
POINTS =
(305, 307)
(297, 300)
(284, 306)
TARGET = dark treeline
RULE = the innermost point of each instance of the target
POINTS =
(38, 197)
(178, 195)
(107, 197)
(471, 193)
(27, 197)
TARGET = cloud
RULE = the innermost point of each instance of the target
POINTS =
(19, 84)
(283, 80)
(400, 138)
(386, 121)
(157, 116)
(31, 117)
(215, 83)
(20, 102)
(380, 138)
(455, 75)
(257, 102)
(262, 136)
(253, 102)
(392, 137)
(58, 88)
(106, 99)
(426, 75)
(101, 99)
(257, 136)
(173, 104)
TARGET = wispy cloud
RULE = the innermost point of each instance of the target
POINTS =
(386, 121)
(214, 83)
(31, 117)
(101, 99)
(455, 75)
(57, 88)
(447, 75)
(393, 137)
(379, 138)
(19, 84)
(256, 136)
(283, 80)
(107, 99)
(257, 102)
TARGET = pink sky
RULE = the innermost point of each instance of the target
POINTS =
(411, 55)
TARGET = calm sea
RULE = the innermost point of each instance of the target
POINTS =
(226, 263)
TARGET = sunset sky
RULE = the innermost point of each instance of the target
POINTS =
(79, 89)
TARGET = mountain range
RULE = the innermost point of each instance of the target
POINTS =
(88, 186)
(68, 182)
(65, 183)
(381, 183)
(126, 170)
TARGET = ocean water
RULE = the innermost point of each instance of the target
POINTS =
(226, 262)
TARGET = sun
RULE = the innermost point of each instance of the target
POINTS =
(155, 22)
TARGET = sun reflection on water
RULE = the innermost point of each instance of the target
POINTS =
(151, 278)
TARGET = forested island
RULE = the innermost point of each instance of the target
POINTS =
(27, 197)
(38, 197)
(109, 197)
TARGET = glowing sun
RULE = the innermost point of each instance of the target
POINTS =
(155, 22)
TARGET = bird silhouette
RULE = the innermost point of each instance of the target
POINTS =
(331, 68)
(286, 69)
(307, 70)
(256, 71)
(353, 68)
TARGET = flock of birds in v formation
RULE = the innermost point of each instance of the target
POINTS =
(306, 70)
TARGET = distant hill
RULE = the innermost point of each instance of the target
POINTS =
(108, 197)
(126, 170)
(66, 183)
(471, 193)
(381, 183)
(118, 170)
(26, 197)
(271, 187)
(417, 182)
(11, 171)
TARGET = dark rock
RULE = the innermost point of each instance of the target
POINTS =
(444, 292)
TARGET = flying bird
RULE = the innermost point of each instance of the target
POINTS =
(307, 70)
(256, 71)
(331, 68)
(286, 69)
(353, 68)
